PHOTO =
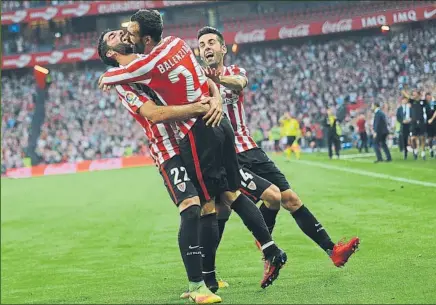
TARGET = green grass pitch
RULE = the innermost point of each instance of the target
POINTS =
(111, 237)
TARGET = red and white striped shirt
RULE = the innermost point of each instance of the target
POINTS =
(234, 107)
(171, 70)
(162, 141)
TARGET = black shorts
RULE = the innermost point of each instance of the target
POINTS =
(431, 130)
(290, 140)
(252, 185)
(417, 130)
(259, 163)
(210, 158)
(177, 181)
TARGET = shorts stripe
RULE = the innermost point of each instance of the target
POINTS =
(170, 186)
(197, 166)
(246, 193)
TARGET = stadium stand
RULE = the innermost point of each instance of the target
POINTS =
(302, 77)
(40, 36)
(8, 6)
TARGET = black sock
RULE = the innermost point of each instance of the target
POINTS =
(189, 242)
(209, 241)
(312, 228)
(221, 227)
(253, 220)
(269, 216)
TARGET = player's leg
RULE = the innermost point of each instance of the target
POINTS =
(365, 142)
(377, 149)
(422, 141)
(337, 143)
(277, 146)
(414, 140)
(329, 146)
(265, 167)
(385, 148)
(405, 139)
(256, 188)
(209, 239)
(288, 151)
(185, 196)
(208, 223)
(223, 213)
(432, 140)
(260, 189)
(246, 209)
(430, 136)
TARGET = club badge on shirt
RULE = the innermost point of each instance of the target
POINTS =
(181, 186)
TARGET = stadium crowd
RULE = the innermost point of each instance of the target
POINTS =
(8, 6)
(305, 79)
(59, 33)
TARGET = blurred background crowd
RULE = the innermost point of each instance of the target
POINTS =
(345, 72)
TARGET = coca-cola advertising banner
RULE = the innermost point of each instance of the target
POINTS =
(285, 31)
(86, 9)
(293, 30)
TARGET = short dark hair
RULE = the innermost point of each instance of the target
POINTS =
(150, 23)
(211, 30)
(428, 93)
(103, 48)
(377, 104)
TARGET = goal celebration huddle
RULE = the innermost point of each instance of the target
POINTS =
(193, 117)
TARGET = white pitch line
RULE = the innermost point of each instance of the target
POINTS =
(368, 174)
(354, 156)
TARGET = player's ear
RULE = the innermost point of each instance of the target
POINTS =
(110, 53)
(147, 40)
(224, 49)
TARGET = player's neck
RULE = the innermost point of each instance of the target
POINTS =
(151, 46)
(127, 59)
(220, 67)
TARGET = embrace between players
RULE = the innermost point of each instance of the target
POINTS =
(194, 120)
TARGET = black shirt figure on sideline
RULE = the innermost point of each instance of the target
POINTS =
(381, 132)
(404, 117)
(419, 123)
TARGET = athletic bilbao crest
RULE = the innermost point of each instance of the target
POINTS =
(182, 187)
(252, 186)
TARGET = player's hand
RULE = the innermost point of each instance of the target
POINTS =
(213, 74)
(430, 121)
(215, 114)
(102, 86)
(375, 135)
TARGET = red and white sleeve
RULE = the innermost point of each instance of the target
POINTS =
(138, 71)
(132, 98)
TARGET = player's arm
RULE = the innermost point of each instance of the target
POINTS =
(237, 82)
(432, 118)
(405, 94)
(142, 104)
(399, 115)
(168, 114)
(234, 82)
(137, 71)
(215, 114)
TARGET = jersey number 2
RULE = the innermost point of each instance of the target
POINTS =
(191, 93)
